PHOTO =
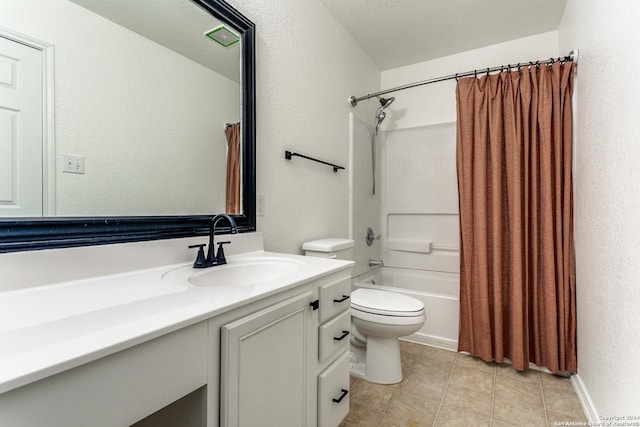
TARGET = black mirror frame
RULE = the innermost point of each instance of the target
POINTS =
(17, 234)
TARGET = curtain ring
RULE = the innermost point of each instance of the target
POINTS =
(487, 71)
(519, 67)
(475, 74)
(456, 77)
(537, 64)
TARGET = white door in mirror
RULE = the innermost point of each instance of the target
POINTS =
(20, 129)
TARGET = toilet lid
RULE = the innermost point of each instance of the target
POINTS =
(385, 303)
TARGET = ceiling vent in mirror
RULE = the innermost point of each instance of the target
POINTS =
(222, 35)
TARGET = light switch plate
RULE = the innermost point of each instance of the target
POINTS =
(72, 164)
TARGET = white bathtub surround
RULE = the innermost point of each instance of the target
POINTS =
(54, 320)
(364, 206)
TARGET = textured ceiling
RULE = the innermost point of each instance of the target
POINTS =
(401, 32)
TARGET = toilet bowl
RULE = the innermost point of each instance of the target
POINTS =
(378, 319)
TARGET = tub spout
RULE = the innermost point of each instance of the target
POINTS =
(376, 262)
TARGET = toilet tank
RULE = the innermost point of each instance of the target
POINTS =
(330, 248)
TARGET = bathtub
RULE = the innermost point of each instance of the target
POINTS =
(437, 290)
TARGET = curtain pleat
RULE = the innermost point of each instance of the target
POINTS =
(517, 280)
(232, 133)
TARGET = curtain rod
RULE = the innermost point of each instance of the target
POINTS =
(573, 56)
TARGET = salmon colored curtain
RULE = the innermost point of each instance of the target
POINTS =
(517, 274)
(232, 133)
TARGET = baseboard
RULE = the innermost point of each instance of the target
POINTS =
(433, 341)
(585, 400)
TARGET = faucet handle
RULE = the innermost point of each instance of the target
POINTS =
(200, 260)
(220, 259)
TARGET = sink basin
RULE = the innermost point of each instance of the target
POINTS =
(237, 272)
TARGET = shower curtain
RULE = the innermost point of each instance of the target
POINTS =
(517, 274)
(232, 133)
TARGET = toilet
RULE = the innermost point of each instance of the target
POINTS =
(378, 319)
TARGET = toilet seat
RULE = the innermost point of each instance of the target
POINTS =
(383, 303)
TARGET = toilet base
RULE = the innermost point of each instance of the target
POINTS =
(379, 363)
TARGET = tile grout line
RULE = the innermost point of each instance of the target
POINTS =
(446, 388)
(493, 395)
(544, 404)
(397, 390)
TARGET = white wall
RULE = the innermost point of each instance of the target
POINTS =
(420, 184)
(607, 200)
(436, 103)
(131, 105)
(307, 67)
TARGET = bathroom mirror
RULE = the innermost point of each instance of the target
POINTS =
(119, 222)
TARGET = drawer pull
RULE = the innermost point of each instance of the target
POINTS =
(342, 396)
(341, 337)
(343, 299)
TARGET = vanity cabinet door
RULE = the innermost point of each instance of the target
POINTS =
(264, 370)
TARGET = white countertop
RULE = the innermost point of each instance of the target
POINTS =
(48, 329)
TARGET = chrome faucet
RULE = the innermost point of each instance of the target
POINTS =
(212, 259)
(376, 262)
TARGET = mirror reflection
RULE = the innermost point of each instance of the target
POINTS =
(144, 102)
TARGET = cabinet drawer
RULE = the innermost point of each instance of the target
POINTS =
(334, 298)
(334, 335)
(333, 393)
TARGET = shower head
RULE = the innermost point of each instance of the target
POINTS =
(379, 118)
(384, 103)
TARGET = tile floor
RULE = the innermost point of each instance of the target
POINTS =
(443, 388)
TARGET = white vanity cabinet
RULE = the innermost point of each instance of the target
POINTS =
(284, 360)
(138, 347)
(116, 390)
(264, 366)
(334, 332)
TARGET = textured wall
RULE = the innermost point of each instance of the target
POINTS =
(307, 67)
(607, 202)
(436, 103)
(129, 105)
